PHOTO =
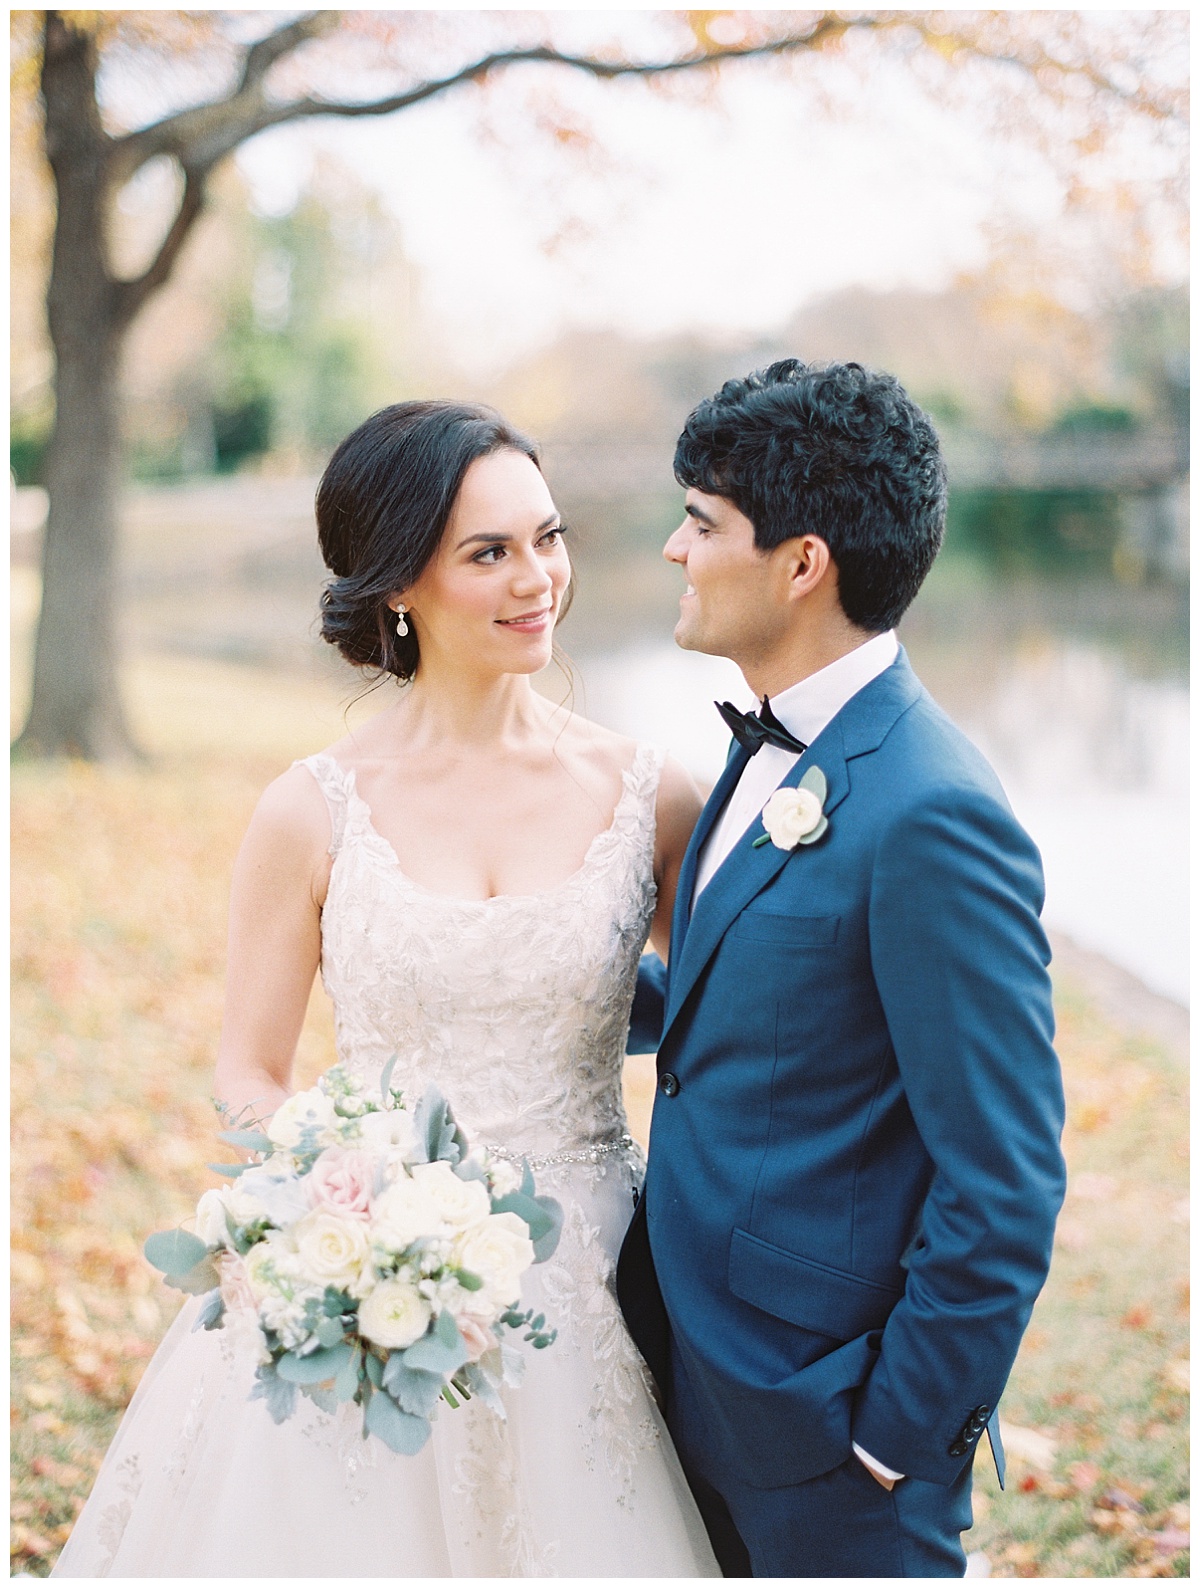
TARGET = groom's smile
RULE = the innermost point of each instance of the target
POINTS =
(731, 605)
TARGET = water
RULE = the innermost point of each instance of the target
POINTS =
(1093, 758)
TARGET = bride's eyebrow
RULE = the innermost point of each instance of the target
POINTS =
(500, 539)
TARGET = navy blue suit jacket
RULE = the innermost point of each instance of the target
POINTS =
(855, 1165)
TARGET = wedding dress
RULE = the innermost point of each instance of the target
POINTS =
(516, 1007)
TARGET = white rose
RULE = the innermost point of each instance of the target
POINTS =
(390, 1133)
(456, 1203)
(311, 1111)
(211, 1224)
(241, 1204)
(393, 1315)
(790, 815)
(401, 1215)
(331, 1249)
(498, 1251)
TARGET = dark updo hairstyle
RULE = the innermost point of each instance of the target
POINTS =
(382, 507)
(833, 450)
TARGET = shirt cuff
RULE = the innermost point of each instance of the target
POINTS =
(876, 1466)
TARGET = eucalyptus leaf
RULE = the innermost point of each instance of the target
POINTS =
(345, 1385)
(385, 1080)
(212, 1310)
(175, 1251)
(399, 1430)
(316, 1367)
(279, 1395)
(527, 1186)
(544, 1245)
(197, 1281)
(542, 1214)
(814, 781)
(817, 832)
(230, 1170)
(374, 1369)
(329, 1332)
(251, 1140)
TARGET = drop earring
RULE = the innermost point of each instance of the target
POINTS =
(401, 622)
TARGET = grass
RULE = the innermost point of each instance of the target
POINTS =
(119, 888)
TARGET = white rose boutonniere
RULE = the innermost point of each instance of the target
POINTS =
(795, 816)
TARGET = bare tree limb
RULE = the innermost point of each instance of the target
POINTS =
(201, 136)
(132, 294)
(261, 56)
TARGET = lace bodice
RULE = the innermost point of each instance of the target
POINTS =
(515, 1007)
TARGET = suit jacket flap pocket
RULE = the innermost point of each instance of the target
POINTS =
(791, 931)
(807, 1293)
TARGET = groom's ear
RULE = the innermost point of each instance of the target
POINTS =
(807, 566)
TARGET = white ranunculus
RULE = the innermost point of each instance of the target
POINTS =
(790, 815)
(311, 1111)
(261, 1193)
(331, 1249)
(456, 1203)
(390, 1132)
(394, 1315)
(401, 1215)
(498, 1251)
(211, 1224)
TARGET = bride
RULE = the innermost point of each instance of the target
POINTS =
(474, 872)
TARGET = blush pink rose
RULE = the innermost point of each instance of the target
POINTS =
(235, 1283)
(342, 1179)
(476, 1336)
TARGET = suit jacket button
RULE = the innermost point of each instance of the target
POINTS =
(982, 1413)
(958, 1448)
(668, 1084)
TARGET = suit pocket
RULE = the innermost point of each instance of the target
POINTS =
(789, 931)
(822, 1300)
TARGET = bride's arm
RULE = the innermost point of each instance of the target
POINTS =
(279, 882)
(678, 806)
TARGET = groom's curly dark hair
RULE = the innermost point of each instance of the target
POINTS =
(833, 450)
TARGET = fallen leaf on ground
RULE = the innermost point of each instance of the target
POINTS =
(1030, 1445)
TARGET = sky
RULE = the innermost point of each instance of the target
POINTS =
(722, 217)
(719, 212)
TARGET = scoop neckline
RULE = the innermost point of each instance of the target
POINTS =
(350, 781)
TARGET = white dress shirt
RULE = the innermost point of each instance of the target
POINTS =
(805, 710)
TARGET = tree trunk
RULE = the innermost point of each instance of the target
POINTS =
(76, 706)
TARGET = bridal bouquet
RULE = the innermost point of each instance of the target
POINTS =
(372, 1258)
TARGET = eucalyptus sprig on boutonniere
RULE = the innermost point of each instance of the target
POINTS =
(795, 816)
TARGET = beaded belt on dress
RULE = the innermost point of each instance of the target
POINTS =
(548, 1160)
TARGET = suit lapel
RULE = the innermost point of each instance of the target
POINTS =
(686, 886)
(858, 729)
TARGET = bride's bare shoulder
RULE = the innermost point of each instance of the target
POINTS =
(292, 815)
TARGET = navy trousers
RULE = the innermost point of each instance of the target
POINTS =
(840, 1524)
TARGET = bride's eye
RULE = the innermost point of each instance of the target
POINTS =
(485, 556)
(553, 537)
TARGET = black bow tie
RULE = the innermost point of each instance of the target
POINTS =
(753, 731)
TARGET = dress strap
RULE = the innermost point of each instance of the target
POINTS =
(334, 782)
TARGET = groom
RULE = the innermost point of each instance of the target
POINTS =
(854, 1157)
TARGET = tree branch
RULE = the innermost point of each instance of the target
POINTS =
(130, 295)
(201, 136)
(260, 57)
